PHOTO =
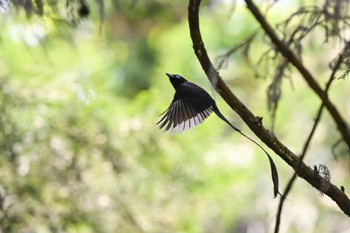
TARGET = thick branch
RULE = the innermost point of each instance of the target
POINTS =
(290, 56)
(253, 122)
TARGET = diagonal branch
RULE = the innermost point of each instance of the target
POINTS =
(253, 122)
(292, 58)
(308, 141)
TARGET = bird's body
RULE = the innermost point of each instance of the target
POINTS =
(191, 105)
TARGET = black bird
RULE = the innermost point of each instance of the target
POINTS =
(190, 107)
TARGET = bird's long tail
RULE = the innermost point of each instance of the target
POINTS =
(274, 173)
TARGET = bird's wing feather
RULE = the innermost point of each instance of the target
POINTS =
(182, 115)
(190, 107)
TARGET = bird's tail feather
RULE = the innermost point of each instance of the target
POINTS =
(274, 173)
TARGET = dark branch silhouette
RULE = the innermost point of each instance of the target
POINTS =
(302, 170)
(293, 59)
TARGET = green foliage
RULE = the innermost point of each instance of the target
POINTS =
(79, 147)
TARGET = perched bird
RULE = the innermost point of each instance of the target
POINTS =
(190, 107)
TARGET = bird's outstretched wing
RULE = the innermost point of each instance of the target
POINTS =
(188, 109)
(182, 116)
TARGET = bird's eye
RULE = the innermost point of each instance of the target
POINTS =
(177, 76)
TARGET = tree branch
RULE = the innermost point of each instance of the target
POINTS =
(290, 56)
(253, 122)
(308, 141)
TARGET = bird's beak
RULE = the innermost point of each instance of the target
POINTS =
(169, 75)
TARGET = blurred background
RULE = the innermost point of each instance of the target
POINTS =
(81, 91)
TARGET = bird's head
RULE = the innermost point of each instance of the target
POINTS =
(176, 80)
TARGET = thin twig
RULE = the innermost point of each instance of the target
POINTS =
(223, 58)
(307, 142)
(293, 59)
